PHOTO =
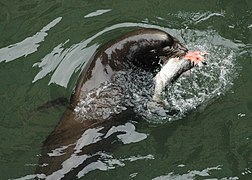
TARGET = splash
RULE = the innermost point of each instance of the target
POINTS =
(134, 88)
(207, 82)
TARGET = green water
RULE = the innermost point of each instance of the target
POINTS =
(210, 142)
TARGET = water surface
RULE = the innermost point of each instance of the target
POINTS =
(44, 46)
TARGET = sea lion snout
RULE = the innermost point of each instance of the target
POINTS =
(176, 50)
(179, 49)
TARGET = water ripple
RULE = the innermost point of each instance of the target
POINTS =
(193, 174)
(97, 13)
(28, 45)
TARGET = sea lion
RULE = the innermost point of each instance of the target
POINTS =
(145, 49)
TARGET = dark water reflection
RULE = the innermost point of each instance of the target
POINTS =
(44, 46)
